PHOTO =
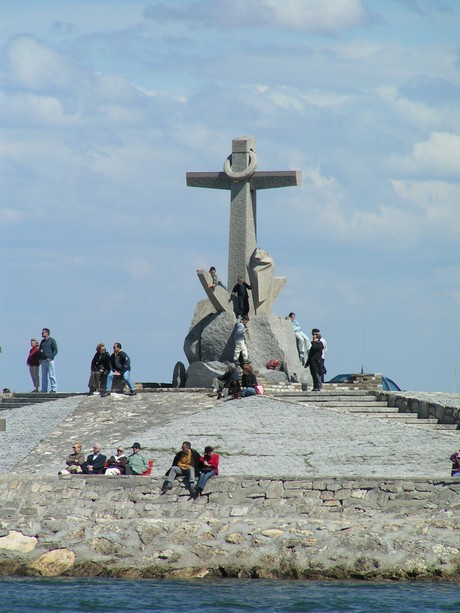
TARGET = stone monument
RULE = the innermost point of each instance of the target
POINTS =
(209, 344)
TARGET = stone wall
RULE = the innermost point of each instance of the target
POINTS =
(253, 527)
(424, 406)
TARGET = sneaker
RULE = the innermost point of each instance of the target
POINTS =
(219, 395)
(132, 393)
(192, 490)
(166, 487)
(53, 392)
(104, 394)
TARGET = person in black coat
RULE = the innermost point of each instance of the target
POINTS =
(241, 292)
(95, 462)
(100, 368)
(315, 362)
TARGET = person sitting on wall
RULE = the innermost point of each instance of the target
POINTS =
(100, 368)
(303, 342)
(222, 383)
(120, 364)
(248, 381)
(214, 279)
(137, 463)
(209, 467)
(74, 461)
(95, 462)
(186, 463)
(234, 390)
(455, 459)
(116, 463)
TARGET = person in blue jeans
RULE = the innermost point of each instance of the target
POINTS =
(120, 364)
(209, 463)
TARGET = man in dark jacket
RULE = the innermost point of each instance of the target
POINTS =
(120, 364)
(47, 352)
(229, 379)
(95, 462)
(187, 463)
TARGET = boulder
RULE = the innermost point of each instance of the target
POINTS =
(211, 339)
(201, 374)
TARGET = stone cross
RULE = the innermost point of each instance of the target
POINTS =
(239, 176)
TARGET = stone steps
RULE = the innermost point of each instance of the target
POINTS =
(24, 399)
(363, 404)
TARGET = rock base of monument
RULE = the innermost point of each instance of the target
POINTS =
(209, 346)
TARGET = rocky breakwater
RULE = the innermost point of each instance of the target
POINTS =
(252, 527)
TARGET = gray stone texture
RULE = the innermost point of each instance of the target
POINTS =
(304, 491)
(268, 337)
(242, 527)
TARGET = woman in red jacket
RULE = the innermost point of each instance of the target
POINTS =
(209, 467)
(33, 363)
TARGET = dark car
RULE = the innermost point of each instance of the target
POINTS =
(387, 384)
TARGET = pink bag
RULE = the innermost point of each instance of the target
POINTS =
(259, 389)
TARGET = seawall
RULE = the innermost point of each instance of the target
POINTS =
(369, 528)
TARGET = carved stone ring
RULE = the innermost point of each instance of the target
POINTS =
(244, 174)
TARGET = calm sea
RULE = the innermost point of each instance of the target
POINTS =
(224, 596)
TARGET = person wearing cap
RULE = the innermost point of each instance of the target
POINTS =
(323, 354)
(138, 462)
(186, 463)
(116, 463)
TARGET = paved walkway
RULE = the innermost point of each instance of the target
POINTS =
(255, 436)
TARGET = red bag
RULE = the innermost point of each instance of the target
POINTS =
(272, 364)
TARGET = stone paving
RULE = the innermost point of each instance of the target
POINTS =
(255, 436)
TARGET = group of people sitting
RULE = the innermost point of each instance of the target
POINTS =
(187, 463)
(97, 463)
(229, 384)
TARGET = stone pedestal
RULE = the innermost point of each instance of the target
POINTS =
(210, 345)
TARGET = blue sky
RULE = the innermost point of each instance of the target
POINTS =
(105, 105)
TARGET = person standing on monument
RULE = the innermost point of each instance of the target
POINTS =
(240, 291)
(239, 336)
(323, 355)
(315, 361)
(33, 362)
(303, 342)
(47, 352)
(214, 279)
(120, 364)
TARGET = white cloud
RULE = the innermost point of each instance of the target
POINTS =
(36, 67)
(435, 158)
(326, 17)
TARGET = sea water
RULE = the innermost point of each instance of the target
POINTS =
(224, 596)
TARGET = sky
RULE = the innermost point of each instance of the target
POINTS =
(106, 104)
